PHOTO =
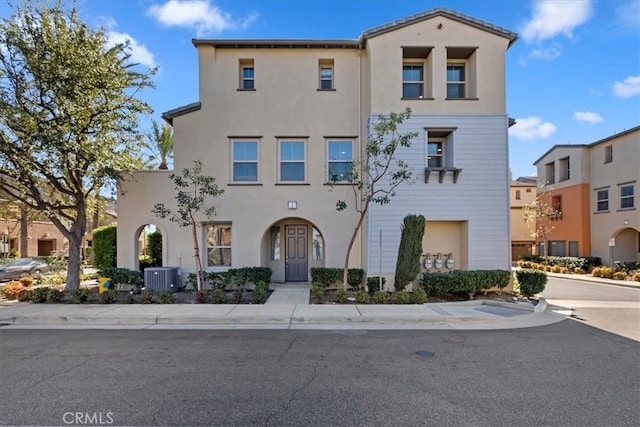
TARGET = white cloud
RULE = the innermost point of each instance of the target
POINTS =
(198, 14)
(139, 53)
(588, 116)
(532, 128)
(554, 17)
(548, 54)
(628, 14)
(628, 87)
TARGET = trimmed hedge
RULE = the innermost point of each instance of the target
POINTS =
(531, 282)
(329, 276)
(235, 277)
(373, 283)
(463, 281)
(104, 247)
(123, 276)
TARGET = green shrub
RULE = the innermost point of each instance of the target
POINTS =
(362, 297)
(317, 291)
(25, 296)
(418, 296)
(123, 276)
(380, 297)
(80, 296)
(531, 282)
(262, 285)
(129, 299)
(341, 296)
(463, 281)
(108, 297)
(218, 296)
(54, 295)
(201, 297)
(104, 247)
(154, 246)
(146, 297)
(235, 277)
(38, 295)
(373, 283)
(330, 276)
(259, 295)
(166, 297)
(409, 251)
(401, 297)
(237, 296)
(532, 258)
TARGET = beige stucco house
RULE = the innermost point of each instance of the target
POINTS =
(276, 118)
(522, 193)
(595, 188)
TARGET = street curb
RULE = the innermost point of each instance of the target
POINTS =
(542, 305)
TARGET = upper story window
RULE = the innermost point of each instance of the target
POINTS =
(326, 79)
(435, 153)
(550, 173)
(292, 157)
(218, 245)
(528, 190)
(412, 80)
(608, 154)
(456, 81)
(340, 160)
(517, 194)
(626, 196)
(247, 74)
(602, 204)
(416, 64)
(461, 64)
(245, 161)
(565, 169)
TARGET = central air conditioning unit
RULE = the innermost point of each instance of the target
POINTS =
(161, 279)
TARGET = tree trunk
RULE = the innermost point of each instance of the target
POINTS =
(196, 255)
(76, 236)
(24, 231)
(95, 217)
(345, 273)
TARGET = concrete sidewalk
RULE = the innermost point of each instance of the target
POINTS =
(287, 308)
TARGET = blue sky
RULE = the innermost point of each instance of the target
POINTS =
(573, 77)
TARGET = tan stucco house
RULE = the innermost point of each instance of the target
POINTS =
(594, 187)
(276, 118)
(522, 193)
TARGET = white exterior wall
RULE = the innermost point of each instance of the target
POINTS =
(480, 197)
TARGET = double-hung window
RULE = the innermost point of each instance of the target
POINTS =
(435, 153)
(325, 74)
(608, 154)
(247, 74)
(340, 160)
(626, 196)
(218, 245)
(456, 80)
(412, 80)
(603, 200)
(245, 161)
(292, 161)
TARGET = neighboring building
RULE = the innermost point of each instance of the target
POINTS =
(276, 118)
(594, 189)
(522, 193)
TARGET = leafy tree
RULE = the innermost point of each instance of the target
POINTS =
(409, 252)
(192, 190)
(154, 243)
(160, 143)
(69, 112)
(375, 178)
(539, 216)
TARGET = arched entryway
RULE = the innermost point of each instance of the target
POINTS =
(291, 247)
(627, 245)
(149, 247)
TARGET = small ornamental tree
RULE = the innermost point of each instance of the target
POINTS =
(192, 191)
(539, 216)
(409, 252)
(375, 178)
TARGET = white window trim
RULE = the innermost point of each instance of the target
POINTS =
(632, 196)
(205, 253)
(328, 141)
(464, 83)
(598, 201)
(280, 161)
(442, 155)
(422, 82)
(233, 161)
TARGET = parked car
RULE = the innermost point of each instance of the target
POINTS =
(22, 267)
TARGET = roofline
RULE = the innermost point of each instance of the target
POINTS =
(367, 34)
(560, 146)
(615, 135)
(168, 116)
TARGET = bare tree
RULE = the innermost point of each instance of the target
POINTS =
(539, 216)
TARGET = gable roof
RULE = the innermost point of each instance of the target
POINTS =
(440, 11)
(367, 34)
(559, 146)
(168, 116)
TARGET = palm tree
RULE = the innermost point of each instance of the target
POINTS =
(161, 144)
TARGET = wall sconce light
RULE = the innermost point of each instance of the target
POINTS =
(292, 204)
(625, 222)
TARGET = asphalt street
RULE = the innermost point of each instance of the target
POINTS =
(565, 374)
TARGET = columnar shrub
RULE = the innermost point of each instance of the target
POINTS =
(104, 247)
(531, 282)
(408, 262)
